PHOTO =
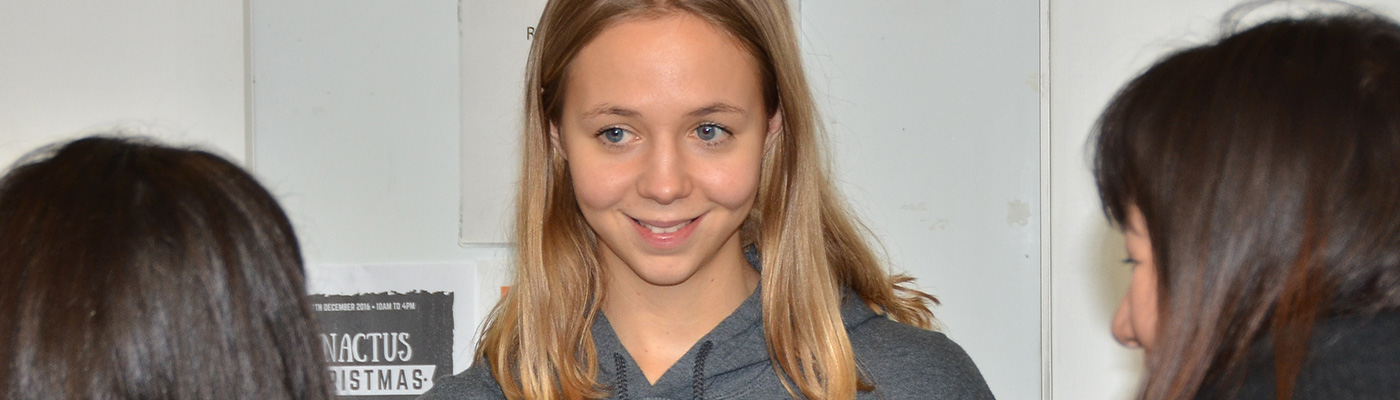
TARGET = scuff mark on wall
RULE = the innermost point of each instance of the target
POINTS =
(939, 225)
(1017, 213)
(921, 206)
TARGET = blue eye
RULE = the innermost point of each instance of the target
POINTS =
(710, 132)
(613, 135)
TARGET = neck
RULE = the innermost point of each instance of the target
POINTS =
(659, 324)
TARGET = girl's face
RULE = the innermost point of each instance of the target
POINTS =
(664, 130)
(1135, 323)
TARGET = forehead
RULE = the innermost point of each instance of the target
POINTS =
(670, 58)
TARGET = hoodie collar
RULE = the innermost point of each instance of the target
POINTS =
(721, 364)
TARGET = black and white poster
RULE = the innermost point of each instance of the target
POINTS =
(388, 331)
(386, 344)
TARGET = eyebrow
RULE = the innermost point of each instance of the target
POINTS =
(608, 109)
(713, 108)
(716, 108)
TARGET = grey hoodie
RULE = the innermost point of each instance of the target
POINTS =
(731, 362)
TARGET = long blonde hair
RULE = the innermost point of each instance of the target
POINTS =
(538, 340)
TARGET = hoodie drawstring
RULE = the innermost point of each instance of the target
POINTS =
(621, 364)
(697, 389)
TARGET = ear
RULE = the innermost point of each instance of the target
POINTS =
(554, 142)
(775, 130)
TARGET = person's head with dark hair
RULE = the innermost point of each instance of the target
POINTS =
(131, 270)
(1257, 180)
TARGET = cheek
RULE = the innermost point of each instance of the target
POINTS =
(598, 186)
(731, 184)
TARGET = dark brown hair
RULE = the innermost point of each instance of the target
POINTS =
(1267, 167)
(129, 270)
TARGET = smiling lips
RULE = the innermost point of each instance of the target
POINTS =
(665, 234)
(662, 229)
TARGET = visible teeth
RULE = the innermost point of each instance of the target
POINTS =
(657, 229)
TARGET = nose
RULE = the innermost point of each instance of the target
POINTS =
(1123, 325)
(664, 178)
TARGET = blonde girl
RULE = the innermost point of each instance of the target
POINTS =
(677, 233)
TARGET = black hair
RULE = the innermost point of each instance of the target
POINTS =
(1267, 167)
(132, 270)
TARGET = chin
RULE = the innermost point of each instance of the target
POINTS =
(661, 272)
(665, 274)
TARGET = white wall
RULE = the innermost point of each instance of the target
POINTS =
(356, 125)
(1097, 46)
(932, 110)
(169, 68)
(356, 129)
